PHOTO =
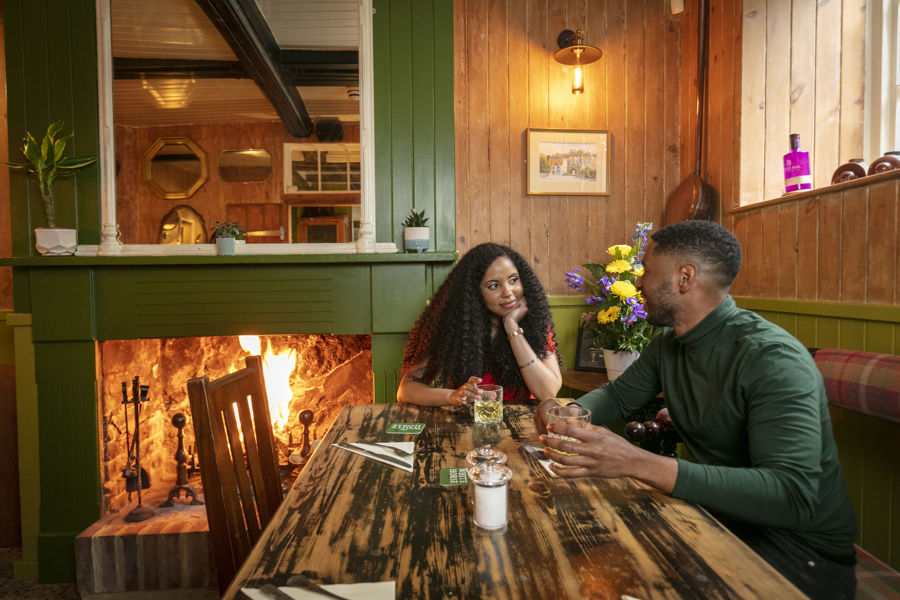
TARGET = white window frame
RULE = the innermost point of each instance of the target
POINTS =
(109, 235)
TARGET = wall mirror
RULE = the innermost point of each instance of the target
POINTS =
(182, 225)
(244, 166)
(175, 167)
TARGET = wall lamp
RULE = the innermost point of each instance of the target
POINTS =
(572, 51)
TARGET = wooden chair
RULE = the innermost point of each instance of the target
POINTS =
(238, 464)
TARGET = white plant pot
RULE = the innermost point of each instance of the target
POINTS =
(225, 246)
(55, 241)
(617, 362)
(415, 239)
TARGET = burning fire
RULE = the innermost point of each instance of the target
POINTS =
(277, 369)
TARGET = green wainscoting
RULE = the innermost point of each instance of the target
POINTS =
(414, 164)
(869, 447)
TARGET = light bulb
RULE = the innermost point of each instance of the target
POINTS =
(578, 81)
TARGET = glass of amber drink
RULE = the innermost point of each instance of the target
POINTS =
(489, 403)
(574, 416)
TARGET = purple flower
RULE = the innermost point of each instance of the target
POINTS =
(639, 311)
(575, 281)
(629, 319)
(594, 300)
(606, 281)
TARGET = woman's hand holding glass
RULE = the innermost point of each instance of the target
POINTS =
(467, 392)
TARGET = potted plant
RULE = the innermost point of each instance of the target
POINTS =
(415, 231)
(225, 235)
(45, 163)
(617, 319)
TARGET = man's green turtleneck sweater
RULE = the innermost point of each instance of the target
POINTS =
(749, 404)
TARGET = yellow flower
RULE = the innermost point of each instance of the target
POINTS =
(638, 270)
(618, 266)
(623, 289)
(609, 315)
(619, 250)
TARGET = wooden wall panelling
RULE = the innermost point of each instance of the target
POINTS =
(853, 79)
(753, 102)
(802, 108)
(787, 251)
(614, 229)
(854, 219)
(634, 166)
(807, 249)
(829, 248)
(519, 49)
(828, 92)
(6, 291)
(881, 243)
(778, 81)
(443, 223)
(595, 209)
(671, 130)
(478, 123)
(496, 196)
(422, 54)
(738, 224)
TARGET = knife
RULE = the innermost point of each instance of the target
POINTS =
(376, 455)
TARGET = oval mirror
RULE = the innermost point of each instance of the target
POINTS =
(244, 166)
(175, 167)
(182, 225)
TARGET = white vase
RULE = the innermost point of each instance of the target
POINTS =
(225, 246)
(415, 239)
(55, 241)
(617, 362)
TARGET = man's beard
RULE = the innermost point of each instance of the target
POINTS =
(661, 312)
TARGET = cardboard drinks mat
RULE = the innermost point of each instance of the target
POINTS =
(406, 428)
(454, 476)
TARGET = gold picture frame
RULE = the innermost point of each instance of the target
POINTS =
(567, 162)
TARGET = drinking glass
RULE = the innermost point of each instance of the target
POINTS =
(572, 414)
(489, 403)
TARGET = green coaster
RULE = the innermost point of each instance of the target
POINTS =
(453, 476)
(406, 428)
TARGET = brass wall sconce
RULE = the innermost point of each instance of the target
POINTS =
(572, 51)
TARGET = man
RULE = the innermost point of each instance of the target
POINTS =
(749, 404)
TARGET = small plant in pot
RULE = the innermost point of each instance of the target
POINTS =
(225, 235)
(45, 164)
(415, 231)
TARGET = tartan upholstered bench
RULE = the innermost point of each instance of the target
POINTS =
(857, 384)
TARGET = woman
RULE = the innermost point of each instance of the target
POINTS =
(488, 323)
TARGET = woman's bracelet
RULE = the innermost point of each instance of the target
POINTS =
(518, 331)
(529, 363)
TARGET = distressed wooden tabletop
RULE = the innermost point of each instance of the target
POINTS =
(350, 519)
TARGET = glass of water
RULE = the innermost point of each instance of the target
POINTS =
(573, 415)
(489, 403)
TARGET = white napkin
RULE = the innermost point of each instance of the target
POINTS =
(381, 449)
(381, 590)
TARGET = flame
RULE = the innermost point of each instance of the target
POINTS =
(277, 369)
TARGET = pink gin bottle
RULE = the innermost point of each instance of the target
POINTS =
(797, 175)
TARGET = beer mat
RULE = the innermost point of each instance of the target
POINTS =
(406, 428)
(455, 476)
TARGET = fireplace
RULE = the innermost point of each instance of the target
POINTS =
(319, 372)
(80, 307)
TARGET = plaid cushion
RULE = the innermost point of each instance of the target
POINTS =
(863, 382)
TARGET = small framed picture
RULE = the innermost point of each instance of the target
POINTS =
(583, 359)
(567, 162)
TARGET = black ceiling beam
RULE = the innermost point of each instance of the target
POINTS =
(312, 68)
(251, 40)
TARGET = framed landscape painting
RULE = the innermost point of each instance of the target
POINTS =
(567, 162)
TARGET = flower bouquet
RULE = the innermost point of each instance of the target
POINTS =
(617, 319)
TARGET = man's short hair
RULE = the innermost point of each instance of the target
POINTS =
(704, 241)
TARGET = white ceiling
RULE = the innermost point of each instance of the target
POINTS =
(173, 29)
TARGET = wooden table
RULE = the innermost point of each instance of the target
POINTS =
(351, 519)
(583, 381)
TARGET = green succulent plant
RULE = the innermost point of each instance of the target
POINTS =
(46, 163)
(415, 218)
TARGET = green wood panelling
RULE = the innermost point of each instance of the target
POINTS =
(868, 447)
(387, 357)
(230, 300)
(566, 312)
(398, 296)
(413, 55)
(69, 451)
(44, 84)
(62, 304)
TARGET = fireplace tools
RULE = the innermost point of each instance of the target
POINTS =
(136, 478)
(181, 481)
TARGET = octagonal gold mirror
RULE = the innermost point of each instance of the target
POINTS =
(175, 167)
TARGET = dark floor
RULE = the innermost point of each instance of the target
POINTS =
(29, 590)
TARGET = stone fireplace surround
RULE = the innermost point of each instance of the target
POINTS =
(76, 302)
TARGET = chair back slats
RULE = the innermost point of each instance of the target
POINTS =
(238, 462)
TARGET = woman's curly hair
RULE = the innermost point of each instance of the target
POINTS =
(452, 336)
